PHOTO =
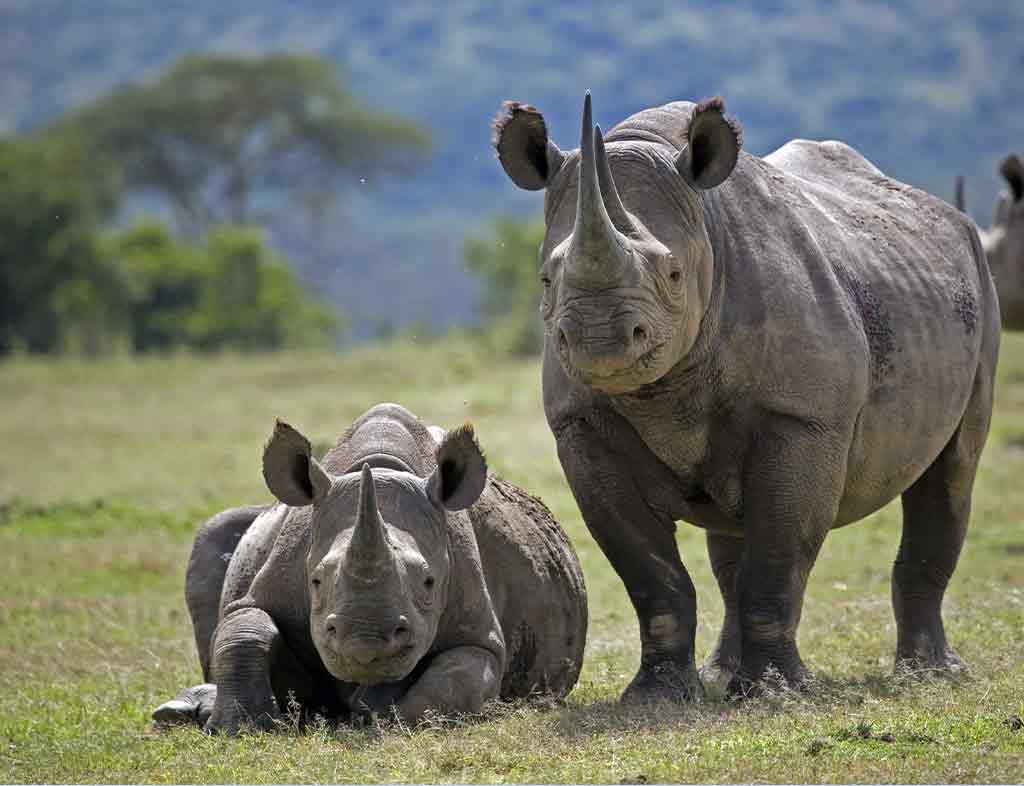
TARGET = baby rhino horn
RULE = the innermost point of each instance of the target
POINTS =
(369, 542)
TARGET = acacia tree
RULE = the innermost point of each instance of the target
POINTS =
(225, 138)
(506, 264)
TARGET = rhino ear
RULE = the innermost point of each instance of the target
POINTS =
(713, 145)
(461, 472)
(520, 138)
(1012, 169)
(289, 469)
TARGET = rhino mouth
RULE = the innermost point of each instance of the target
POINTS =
(628, 379)
(389, 669)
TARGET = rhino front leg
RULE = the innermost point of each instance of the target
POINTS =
(245, 647)
(456, 681)
(725, 554)
(792, 489)
(639, 540)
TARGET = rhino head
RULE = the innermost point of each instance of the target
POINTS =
(379, 566)
(626, 263)
(1009, 213)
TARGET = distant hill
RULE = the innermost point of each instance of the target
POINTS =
(925, 89)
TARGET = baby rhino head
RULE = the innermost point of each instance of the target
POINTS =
(378, 567)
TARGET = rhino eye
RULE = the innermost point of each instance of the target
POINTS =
(428, 582)
(674, 276)
(316, 582)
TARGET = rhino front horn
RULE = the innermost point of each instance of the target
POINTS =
(369, 542)
(597, 256)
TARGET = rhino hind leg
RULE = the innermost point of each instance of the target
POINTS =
(725, 553)
(936, 509)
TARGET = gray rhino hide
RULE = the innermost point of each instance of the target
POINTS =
(767, 351)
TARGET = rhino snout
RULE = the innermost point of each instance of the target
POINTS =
(363, 647)
(606, 349)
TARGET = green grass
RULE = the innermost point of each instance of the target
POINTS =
(107, 467)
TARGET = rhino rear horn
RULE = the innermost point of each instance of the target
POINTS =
(289, 469)
(461, 472)
(609, 193)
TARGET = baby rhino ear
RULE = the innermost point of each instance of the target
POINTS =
(461, 472)
(289, 469)
(520, 137)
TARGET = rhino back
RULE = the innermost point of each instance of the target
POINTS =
(536, 585)
(387, 435)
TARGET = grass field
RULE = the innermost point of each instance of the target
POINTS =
(106, 468)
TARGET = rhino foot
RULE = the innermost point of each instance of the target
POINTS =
(665, 681)
(771, 679)
(192, 705)
(926, 661)
(718, 673)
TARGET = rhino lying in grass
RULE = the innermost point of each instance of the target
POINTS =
(768, 348)
(394, 575)
(1004, 241)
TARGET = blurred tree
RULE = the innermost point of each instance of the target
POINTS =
(506, 263)
(56, 290)
(218, 135)
(231, 293)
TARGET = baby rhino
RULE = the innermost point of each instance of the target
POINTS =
(391, 576)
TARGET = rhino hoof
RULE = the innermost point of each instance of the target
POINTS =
(666, 681)
(946, 664)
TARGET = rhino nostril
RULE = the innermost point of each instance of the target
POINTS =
(401, 634)
(563, 342)
(639, 334)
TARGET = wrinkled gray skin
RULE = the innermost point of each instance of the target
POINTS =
(1004, 241)
(767, 348)
(393, 576)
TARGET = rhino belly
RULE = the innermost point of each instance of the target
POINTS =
(913, 410)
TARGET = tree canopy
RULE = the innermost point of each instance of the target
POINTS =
(506, 263)
(56, 289)
(225, 137)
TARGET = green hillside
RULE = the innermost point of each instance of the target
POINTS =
(925, 90)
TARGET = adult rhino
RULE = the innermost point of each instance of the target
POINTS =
(767, 348)
(396, 574)
(1004, 241)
